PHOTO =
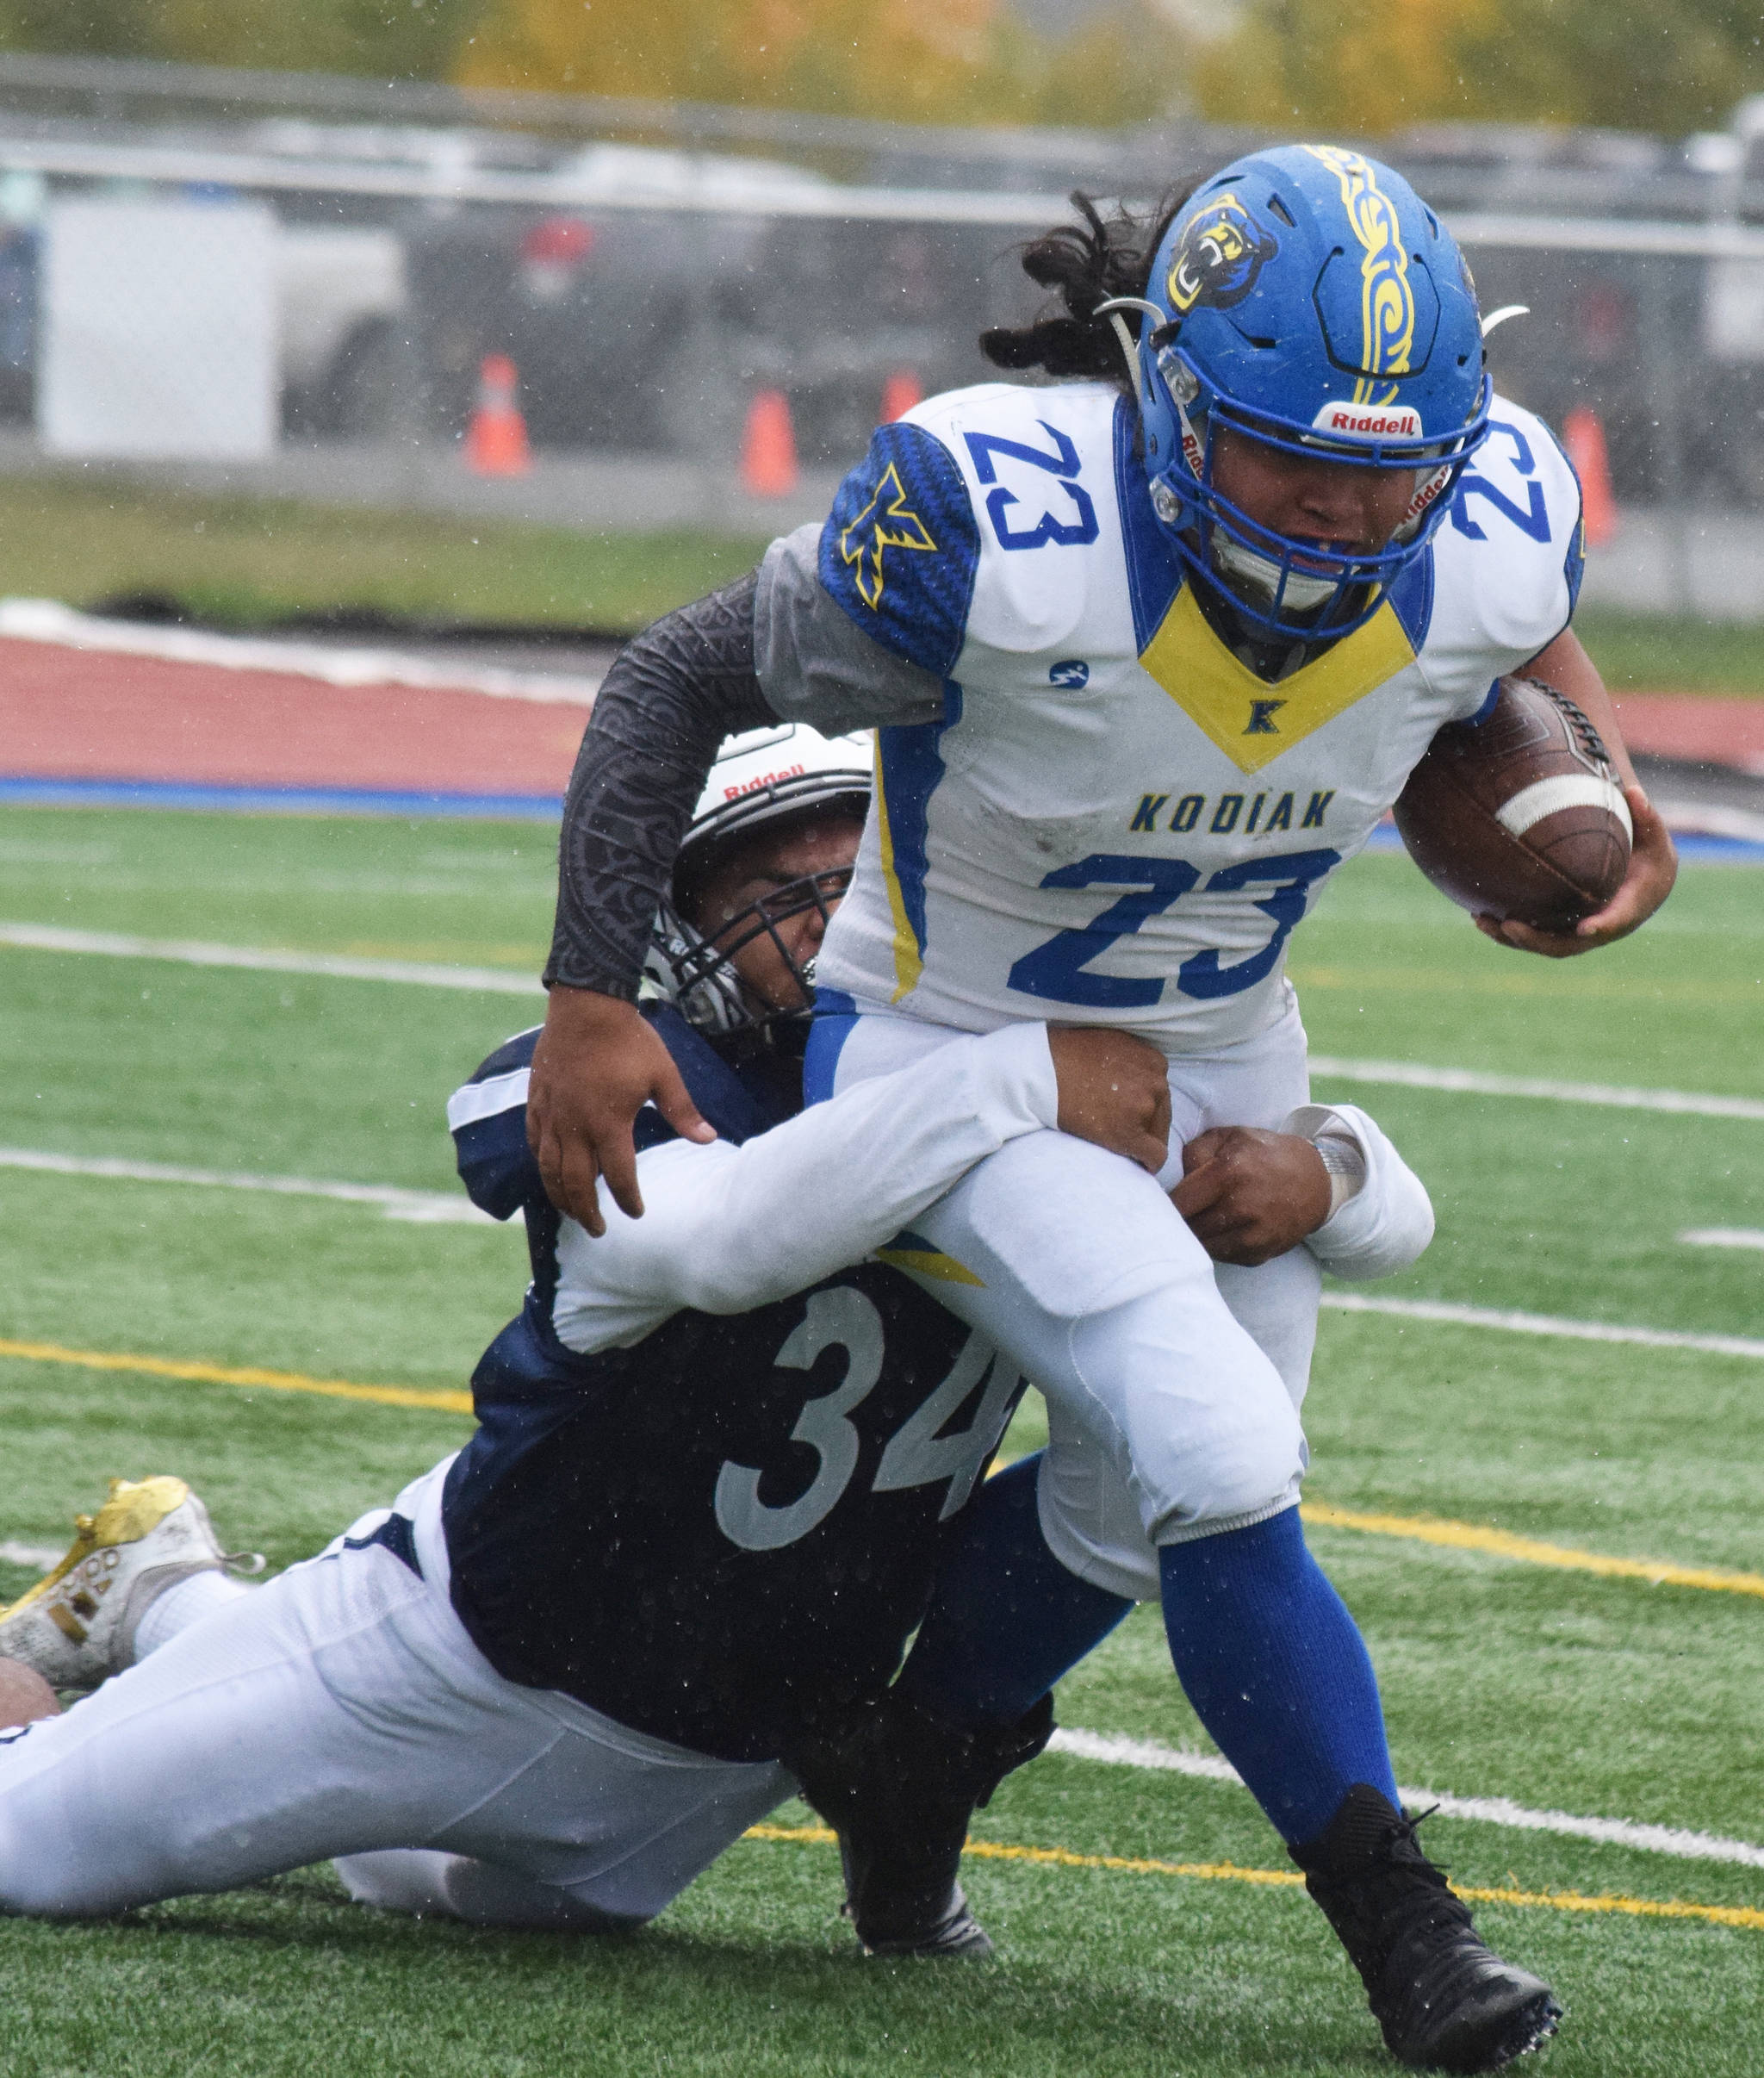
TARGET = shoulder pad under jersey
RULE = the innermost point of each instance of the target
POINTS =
(966, 518)
(1509, 557)
(488, 1116)
(900, 548)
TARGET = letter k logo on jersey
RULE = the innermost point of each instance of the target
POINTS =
(1262, 713)
(885, 522)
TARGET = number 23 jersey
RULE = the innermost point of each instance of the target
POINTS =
(1114, 818)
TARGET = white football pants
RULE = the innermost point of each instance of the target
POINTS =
(1173, 1385)
(341, 1711)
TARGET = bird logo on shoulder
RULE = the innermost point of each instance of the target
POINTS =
(887, 521)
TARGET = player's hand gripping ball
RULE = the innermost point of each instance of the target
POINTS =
(1520, 814)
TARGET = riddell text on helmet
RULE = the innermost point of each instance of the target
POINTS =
(766, 779)
(1370, 421)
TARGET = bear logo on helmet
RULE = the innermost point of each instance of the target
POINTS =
(1221, 252)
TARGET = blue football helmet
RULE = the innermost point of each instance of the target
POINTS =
(1307, 297)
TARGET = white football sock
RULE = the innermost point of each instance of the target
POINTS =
(184, 1602)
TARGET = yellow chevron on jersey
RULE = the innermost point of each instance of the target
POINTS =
(1250, 720)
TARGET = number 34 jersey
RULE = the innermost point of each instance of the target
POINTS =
(725, 1532)
(1115, 819)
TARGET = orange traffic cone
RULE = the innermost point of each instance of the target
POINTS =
(768, 447)
(496, 440)
(899, 394)
(1584, 438)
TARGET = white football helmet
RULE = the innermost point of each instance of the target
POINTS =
(765, 777)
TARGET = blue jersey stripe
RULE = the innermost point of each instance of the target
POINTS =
(1153, 568)
(1412, 599)
(910, 768)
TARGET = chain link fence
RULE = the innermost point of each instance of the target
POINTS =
(311, 306)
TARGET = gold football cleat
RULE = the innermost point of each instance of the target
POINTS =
(77, 1625)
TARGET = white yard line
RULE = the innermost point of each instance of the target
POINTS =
(42, 1556)
(1723, 1237)
(1470, 1082)
(422, 1208)
(1490, 1810)
(1544, 1324)
(193, 952)
(51, 938)
(1709, 819)
(46, 620)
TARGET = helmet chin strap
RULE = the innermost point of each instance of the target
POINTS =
(1129, 347)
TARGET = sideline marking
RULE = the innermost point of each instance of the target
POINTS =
(190, 952)
(1423, 1529)
(1545, 1324)
(1470, 1082)
(49, 937)
(46, 620)
(193, 952)
(229, 1374)
(422, 1208)
(1282, 1879)
(1145, 1753)
(1415, 1528)
(1723, 1237)
(1677, 1840)
(31, 791)
(1477, 1537)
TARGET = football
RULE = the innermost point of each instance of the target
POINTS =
(1519, 813)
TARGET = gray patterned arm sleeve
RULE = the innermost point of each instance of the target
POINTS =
(673, 693)
(771, 647)
(819, 667)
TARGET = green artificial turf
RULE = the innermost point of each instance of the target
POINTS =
(245, 562)
(1672, 653)
(1553, 1688)
(251, 561)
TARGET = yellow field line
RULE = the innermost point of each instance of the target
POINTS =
(1421, 1529)
(228, 1374)
(1474, 1537)
(1229, 1872)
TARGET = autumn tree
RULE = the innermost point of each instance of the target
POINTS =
(908, 60)
(1668, 65)
(383, 39)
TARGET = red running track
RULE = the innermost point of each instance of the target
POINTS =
(1693, 725)
(80, 714)
(69, 713)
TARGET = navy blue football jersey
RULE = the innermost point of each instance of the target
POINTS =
(725, 1534)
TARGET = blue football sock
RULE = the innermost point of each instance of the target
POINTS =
(1277, 1670)
(1007, 1619)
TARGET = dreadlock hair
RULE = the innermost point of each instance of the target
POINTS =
(1085, 265)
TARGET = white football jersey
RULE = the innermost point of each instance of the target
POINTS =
(1116, 821)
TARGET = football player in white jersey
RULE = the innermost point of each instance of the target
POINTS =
(1151, 652)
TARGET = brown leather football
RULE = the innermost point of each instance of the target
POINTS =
(1521, 813)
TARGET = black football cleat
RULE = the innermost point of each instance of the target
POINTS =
(1444, 2000)
(930, 1919)
(898, 1788)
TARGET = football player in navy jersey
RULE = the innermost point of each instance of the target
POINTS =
(683, 1553)
(568, 1666)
